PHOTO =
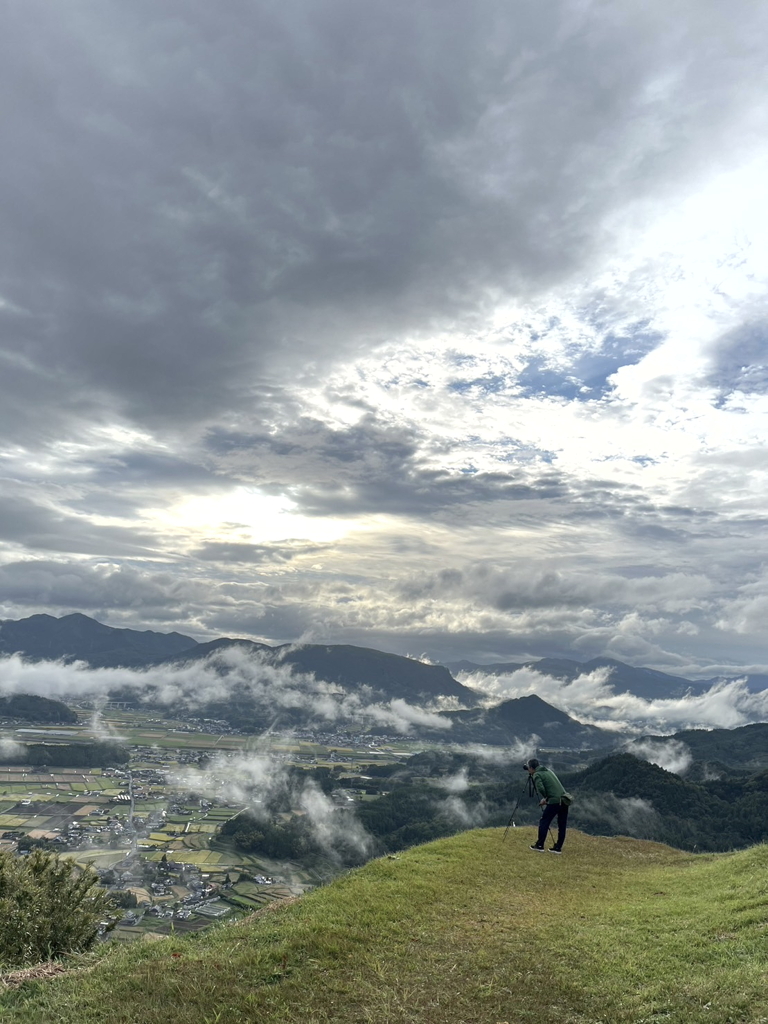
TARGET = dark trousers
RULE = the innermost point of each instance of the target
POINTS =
(546, 820)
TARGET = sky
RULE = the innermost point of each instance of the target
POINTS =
(438, 328)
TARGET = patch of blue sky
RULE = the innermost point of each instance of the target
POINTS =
(455, 358)
(640, 460)
(539, 379)
(644, 460)
(488, 384)
(509, 450)
(402, 382)
(587, 375)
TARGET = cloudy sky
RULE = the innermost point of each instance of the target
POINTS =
(437, 327)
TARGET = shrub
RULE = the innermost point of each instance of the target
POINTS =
(48, 907)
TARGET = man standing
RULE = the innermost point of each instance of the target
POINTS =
(554, 802)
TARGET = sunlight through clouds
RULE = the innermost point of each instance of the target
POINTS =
(442, 327)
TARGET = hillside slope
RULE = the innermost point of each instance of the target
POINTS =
(466, 929)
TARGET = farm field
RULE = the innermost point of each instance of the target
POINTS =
(45, 804)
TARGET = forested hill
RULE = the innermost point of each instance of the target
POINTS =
(27, 707)
(623, 794)
(472, 928)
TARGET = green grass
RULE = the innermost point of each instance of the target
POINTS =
(466, 930)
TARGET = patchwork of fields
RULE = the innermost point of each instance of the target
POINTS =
(45, 804)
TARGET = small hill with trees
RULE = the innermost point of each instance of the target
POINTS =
(27, 707)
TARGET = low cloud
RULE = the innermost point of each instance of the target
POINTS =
(630, 815)
(260, 781)
(462, 813)
(458, 783)
(402, 716)
(329, 828)
(591, 699)
(9, 748)
(672, 755)
(271, 685)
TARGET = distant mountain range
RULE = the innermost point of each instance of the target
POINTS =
(642, 682)
(373, 675)
(79, 638)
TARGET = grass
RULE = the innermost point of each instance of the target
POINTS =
(466, 930)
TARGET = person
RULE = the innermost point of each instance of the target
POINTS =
(554, 803)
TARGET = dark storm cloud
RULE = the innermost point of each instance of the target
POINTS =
(517, 588)
(197, 193)
(24, 521)
(73, 585)
(369, 467)
(250, 554)
(740, 360)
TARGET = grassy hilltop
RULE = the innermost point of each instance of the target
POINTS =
(465, 929)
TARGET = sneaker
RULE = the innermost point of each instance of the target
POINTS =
(535, 846)
(554, 849)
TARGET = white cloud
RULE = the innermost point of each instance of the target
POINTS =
(591, 699)
(672, 755)
(274, 687)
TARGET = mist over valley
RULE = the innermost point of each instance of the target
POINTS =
(330, 754)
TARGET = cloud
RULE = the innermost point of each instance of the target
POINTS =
(631, 815)
(310, 201)
(591, 699)
(410, 324)
(261, 781)
(101, 729)
(458, 811)
(672, 755)
(330, 829)
(273, 686)
(402, 716)
(458, 783)
(10, 749)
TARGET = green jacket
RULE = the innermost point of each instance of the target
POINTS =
(548, 785)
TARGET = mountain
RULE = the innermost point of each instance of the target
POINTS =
(77, 637)
(389, 676)
(642, 682)
(518, 719)
(625, 794)
(740, 748)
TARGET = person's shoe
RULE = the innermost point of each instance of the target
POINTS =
(535, 846)
(554, 849)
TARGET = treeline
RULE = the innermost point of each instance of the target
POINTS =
(294, 839)
(98, 754)
(616, 795)
(30, 708)
(622, 794)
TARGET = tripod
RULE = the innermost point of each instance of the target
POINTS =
(530, 786)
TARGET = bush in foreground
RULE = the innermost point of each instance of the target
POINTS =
(48, 908)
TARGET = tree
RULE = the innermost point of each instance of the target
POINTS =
(48, 908)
